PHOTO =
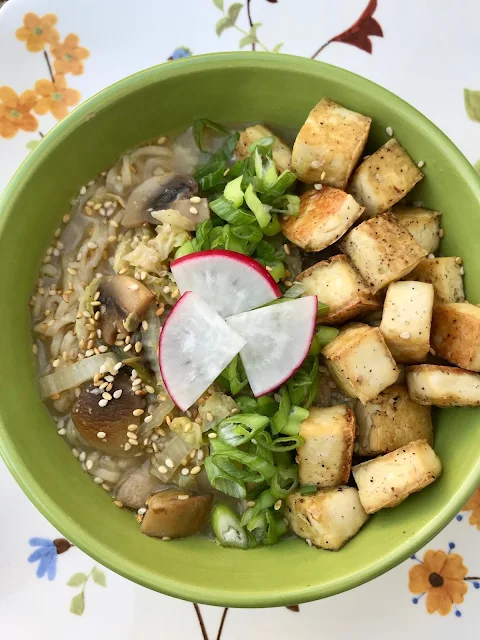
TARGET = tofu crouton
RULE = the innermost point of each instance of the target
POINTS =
(281, 152)
(324, 217)
(384, 178)
(446, 276)
(386, 481)
(360, 363)
(443, 386)
(391, 420)
(336, 283)
(422, 224)
(328, 518)
(329, 144)
(456, 334)
(382, 251)
(406, 320)
(326, 457)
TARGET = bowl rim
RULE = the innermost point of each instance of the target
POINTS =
(46, 504)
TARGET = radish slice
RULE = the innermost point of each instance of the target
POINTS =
(195, 346)
(278, 339)
(230, 282)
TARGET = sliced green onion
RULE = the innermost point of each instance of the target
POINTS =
(266, 406)
(280, 419)
(248, 232)
(287, 205)
(295, 291)
(201, 240)
(213, 177)
(284, 482)
(200, 125)
(322, 308)
(296, 416)
(233, 192)
(273, 227)
(308, 489)
(228, 529)
(223, 481)
(246, 404)
(264, 501)
(239, 429)
(278, 188)
(321, 338)
(184, 250)
(228, 212)
(254, 204)
(231, 242)
(236, 376)
(276, 270)
(276, 527)
(266, 141)
(252, 461)
(287, 443)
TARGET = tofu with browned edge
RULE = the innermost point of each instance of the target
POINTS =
(456, 334)
(281, 152)
(327, 518)
(336, 283)
(446, 276)
(326, 457)
(443, 386)
(382, 251)
(406, 320)
(325, 215)
(384, 178)
(391, 420)
(329, 144)
(360, 363)
(387, 480)
(422, 224)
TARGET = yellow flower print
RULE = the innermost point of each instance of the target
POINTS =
(473, 505)
(69, 56)
(15, 112)
(38, 32)
(55, 97)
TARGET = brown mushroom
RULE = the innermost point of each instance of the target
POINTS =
(105, 428)
(175, 513)
(156, 193)
(135, 486)
(122, 297)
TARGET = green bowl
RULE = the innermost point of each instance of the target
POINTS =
(230, 87)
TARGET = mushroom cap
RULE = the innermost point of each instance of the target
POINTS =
(170, 515)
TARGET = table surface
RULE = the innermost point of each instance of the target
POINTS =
(427, 52)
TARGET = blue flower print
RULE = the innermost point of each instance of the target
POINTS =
(181, 52)
(46, 555)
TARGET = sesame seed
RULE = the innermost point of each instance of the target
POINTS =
(133, 287)
(127, 446)
(89, 464)
(145, 325)
(103, 348)
(309, 542)
(166, 538)
(122, 271)
(405, 335)
(117, 394)
(421, 164)
(195, 470)
(432, 351)
(166, 289)
(169, 463)
(288, 283)
(102, 402)
(162, 469)
(200, 455)
(138, 346)
(195, 199)
(287, 249)
(136, 382)
(141, 511)
(441, 233)
(101, 435)
(118, 504)
(34, 349)
(318, 186)
(82, 456)
(251, 503)
(431, 256)
(268, 268)
(389, 131)
(458, 260)
(106, 396)
(127, 347)
(55, 363)
(183, 496)
(72, 271)
(212, 435)
(462, 271)
(83, 191)
(98, 480)
(149, 389)
(168, 420)
(66, 218)
(225, 173)
(322, 177)
(75, 452)
(138, 412)
(193, 211)
(209, 417)
(62, 432)
(148, 419)
(161, 140)
(185, 472)
(118, 366)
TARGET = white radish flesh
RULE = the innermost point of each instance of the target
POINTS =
(196, 344)
(278, 340)
(230, 282)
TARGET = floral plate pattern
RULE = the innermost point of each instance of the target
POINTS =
(56, 54)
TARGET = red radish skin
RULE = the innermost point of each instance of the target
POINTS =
(240, 324)
(201, 338)
(230, 282)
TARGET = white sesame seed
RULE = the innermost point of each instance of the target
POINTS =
(278, 505)
(62, 432)
(145, 325)
(106, 396)
(127, 347)
(169, 463)
(441, 233)
(212, 435)
(183, 496)
(161, 140)
(83, 191)
(101, 435)
(166, 289)
(89, 352)
(405, 335)
(458, 260)
(195, 470)
(133, 287)
(117, 394)
(132, 427)
(138, 346)
(55, 363)
(462, 271)
(166, 538)
(136, 382)
(118, 366)
(148, 419)
(127, 446)
(75, 452)
(134, 373)
(141, 511)
(318, 186)
(82, 456)
(421, 164)
(431, 256)
(200, 455)
(89, 464)
(149, 389)
(322, 176)
(309, 542)
(209, 417)
(133, 442)
(103, 348)
(389, 131)
(195, 199)
(138, 412)
(185, 472)
(193, 211)
(268, 268)
(98, 480)
(102, 402)
(162, 469)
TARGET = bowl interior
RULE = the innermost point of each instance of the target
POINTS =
(268, 88)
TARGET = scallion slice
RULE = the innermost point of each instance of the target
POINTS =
(278, 188)
(233, 192)
(254, 204)
(223, 481)
(239, 429)
(228, 212)
(228, 529)
(200, 125)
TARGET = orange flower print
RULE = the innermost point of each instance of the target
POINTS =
(473, 505)
(442, 578)
(15, 112)
(38, 32)
(68, 55)
(56, 97)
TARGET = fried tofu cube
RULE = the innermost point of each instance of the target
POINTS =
(456, 334)
(406, 320)
(336, 283)
(391, 420)
(329, 144)
(422, 224)
(382, 251)
(328, 518)
(325, 215)
(387, 480)
(281, 152)
(360, 363)
(443, 386)
(384, 178)
(446, 276)
(326, 457)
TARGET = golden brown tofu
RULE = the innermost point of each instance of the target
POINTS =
(281, 152)
(422, 224)
(336, 283)
(446, 276)
(382, 251)
(384, 178)
(456, 334)
(360, 363)
(391, 420)
(387, 480)
(328, 518)
(443, 386)
(329, 144)
(406, 320)
(325, 215)
(326, 457)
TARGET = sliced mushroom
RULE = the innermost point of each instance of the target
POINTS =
(122, 297)
(156, 193)
(106, 428)
(186, 209)
(171, 514)
(135, 486)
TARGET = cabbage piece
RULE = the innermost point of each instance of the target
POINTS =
(124, 248)
(168, 461)
(219, 405)
(167, 239)
(144, 257)
(74, 375)
(188, 431)
(174, 218)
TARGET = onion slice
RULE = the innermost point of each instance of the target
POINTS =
(76, 374)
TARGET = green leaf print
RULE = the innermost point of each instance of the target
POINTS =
(77, 605)
(77, 579)
(99, 577)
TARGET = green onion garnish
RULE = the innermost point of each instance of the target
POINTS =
(308, 489)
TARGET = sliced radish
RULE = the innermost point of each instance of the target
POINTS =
(278, 339)
(230, 282)
(196, 344)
